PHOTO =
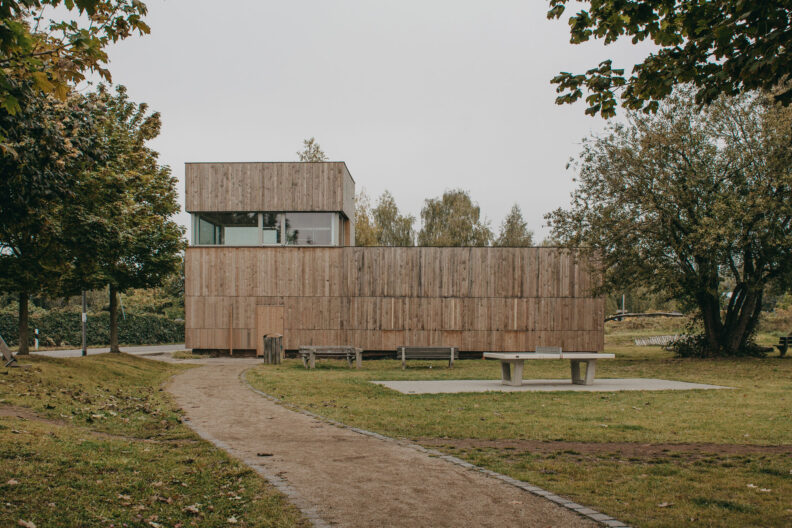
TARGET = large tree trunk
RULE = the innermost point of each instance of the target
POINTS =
(24, 349)
(114, 320)
(742, 321)
(713, 327)
(730, 335)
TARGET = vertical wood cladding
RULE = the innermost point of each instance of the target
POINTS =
(378, 298)
(287, 186)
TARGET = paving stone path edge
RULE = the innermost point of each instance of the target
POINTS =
(312, 514)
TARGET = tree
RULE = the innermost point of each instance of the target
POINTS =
(453, 220)
(118, 227)
(53, 53)
(722, 48)
(514, 230)
(311, 151)
(383, 225)
(391, 227)
(48, 141)
(685, 202)
(365, 232)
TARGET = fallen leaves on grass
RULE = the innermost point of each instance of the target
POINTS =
(194, 509)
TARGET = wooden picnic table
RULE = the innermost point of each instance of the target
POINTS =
(512, 364)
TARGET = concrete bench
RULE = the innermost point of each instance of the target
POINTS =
(445, 353)
(512, 363)
(308, 354)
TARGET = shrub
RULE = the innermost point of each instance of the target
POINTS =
(63, 328)
(695, 346)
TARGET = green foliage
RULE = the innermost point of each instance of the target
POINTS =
(514, 230)
(43, 51)
(638, 300)
(722, 48)
(382, 225)
(311, 151)
(393, 228)
(365, 231)
(784, 302)
(118, 226)
(46, 143)
(63, 328)
(686, 201)
(453, 220)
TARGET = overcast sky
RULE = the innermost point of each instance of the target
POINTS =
(416, 97)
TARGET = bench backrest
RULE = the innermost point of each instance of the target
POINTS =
(8, 357)
(785, 340)
(340, 348)
(548, 350)
(427, 352)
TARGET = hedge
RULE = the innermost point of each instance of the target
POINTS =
(63, 328)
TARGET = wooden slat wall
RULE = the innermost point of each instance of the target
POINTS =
(288, 186)
(377, 298)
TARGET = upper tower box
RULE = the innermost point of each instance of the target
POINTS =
(273, 203)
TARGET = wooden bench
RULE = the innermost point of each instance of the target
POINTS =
(310, 353)
(445, 353)
(512, 363)
(8, 357)
(783, 344)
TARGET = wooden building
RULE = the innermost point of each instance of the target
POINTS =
(273, 252)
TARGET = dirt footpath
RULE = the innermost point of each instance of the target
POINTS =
(346, 478)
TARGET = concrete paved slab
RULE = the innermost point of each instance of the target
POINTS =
(599, 385)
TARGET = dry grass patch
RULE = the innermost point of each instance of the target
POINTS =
(95, 442)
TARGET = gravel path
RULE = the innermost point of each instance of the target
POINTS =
(342, 478)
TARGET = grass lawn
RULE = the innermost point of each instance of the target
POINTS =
(669, 458)
(101, 444)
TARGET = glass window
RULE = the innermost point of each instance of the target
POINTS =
(228, 229)
(269, 229)
(271, 226)
(311, 229)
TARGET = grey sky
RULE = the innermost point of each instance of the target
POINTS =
(416, 97)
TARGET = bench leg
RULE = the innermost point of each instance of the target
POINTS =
(511, 373)
(517, 373)
(312, 360)
(591, 368)
(358, 358)
(451, 359)
(574, 365)
(304, 360)
(404, 361)
(505, 372)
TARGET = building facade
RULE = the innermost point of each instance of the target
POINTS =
(273, 252)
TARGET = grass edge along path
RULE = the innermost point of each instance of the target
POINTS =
(95, 441)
